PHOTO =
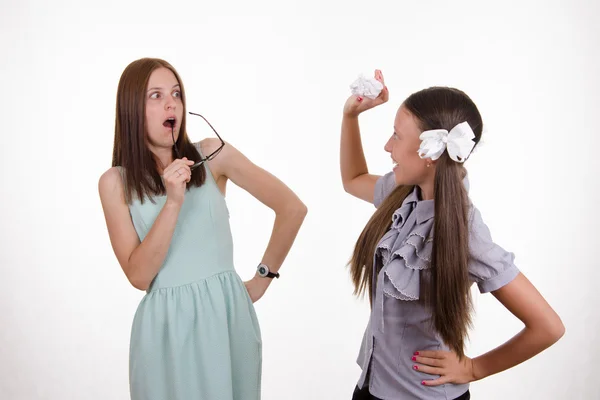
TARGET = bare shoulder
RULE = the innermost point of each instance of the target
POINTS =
(110, 183)
(227, 158)
(209, 145)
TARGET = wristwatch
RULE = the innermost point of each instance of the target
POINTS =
(263, 271)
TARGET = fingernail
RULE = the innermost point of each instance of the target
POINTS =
(415, 367)
(422, 382)
(414, 358)
(359, 99)
(416, 353)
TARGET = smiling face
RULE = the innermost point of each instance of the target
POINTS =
(164, 109)
(403, 146)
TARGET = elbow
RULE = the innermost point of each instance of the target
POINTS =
(136, 280)
(299, 211)
(302, 210)
(556, 328)
(557, 331)
(552, 331)
(138, 283)
(296, 212)
(143, 286)
(346, 185)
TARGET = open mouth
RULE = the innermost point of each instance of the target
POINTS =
(169, 122)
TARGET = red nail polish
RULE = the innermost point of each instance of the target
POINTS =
(414, 358)
(359, 99)
(415, 367)
(422, 382)
(416, 353)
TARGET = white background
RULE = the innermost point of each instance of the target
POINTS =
(272, 78)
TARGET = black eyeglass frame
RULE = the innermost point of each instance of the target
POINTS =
(211, 155)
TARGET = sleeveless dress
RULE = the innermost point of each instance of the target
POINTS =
(195, 334)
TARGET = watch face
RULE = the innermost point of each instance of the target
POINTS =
(262, 270)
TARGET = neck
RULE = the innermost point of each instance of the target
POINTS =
(164, 156)
(427, 184)
(426, 189)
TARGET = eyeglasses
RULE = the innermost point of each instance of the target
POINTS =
(204, 159)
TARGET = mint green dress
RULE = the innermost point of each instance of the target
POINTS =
(195, 334)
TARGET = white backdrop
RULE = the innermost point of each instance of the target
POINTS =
(272, 77)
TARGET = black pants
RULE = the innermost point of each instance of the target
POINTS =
(363, 394)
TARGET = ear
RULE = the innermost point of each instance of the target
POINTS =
(429, 162)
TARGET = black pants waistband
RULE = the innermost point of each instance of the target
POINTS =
(364, 394)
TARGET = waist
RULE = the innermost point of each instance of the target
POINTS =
(171, 276)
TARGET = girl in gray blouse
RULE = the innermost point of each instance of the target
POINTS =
(421, 251)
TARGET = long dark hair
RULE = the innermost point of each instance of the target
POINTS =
(130, 150)
(445, 288)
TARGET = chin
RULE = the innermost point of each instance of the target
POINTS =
(402, 180)
(399, 178)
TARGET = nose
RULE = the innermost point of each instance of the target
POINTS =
(170, 103)
(388, 146)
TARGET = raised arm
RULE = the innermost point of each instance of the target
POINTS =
(356, 178)
(141, 261)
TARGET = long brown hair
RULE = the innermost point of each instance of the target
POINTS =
(445, 287)
(130, 150)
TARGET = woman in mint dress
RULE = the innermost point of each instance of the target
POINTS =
(195, 334)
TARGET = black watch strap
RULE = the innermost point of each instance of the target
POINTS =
(273, 275)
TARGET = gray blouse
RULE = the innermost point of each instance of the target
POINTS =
(399, 325)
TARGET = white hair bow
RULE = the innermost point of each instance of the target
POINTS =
(459, 142)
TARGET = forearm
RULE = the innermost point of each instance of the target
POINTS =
(525, 345)
(146, 260)
(352, 157)
(285, 229)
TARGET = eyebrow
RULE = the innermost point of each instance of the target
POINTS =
(159, 88)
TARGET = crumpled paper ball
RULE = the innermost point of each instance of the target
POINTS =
(366, 87)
